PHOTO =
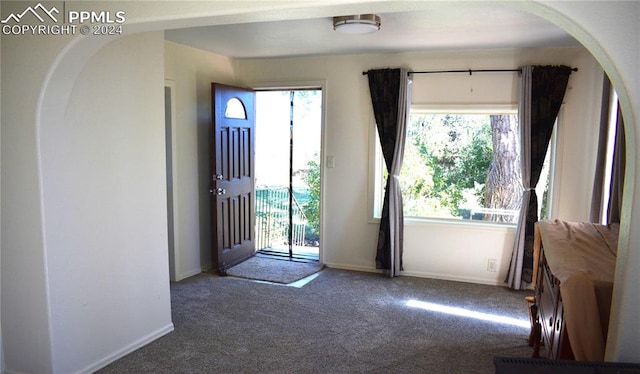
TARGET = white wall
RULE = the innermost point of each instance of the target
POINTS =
(434, 249)
(25, 315)
(104, 209)
(84, 251)
(192, 72)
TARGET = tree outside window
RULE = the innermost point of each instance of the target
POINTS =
(462, 166)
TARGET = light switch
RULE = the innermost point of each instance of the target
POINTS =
(331, 161)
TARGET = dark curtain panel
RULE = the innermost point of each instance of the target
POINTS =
(597, 203)
(617, 174)
(547, 87)
(388, 88)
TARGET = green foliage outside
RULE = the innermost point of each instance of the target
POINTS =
(272, 194)
(307, 102)
(445, 163)
(311, 206)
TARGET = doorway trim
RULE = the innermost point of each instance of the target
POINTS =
(171, 166)
(301, 85)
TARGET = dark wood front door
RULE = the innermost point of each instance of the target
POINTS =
(232, 175)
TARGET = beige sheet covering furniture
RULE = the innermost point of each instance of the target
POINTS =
(582, 256)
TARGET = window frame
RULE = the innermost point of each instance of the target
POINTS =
(376, 162)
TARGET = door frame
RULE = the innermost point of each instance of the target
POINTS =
(301, 85)
(171, 180)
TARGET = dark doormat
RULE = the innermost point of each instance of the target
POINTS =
(274, 270)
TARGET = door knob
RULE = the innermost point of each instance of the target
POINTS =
(221, 191)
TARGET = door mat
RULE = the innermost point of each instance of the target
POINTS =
(274, 270)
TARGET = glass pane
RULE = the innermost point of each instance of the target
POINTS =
(235, 109)
(450, 169)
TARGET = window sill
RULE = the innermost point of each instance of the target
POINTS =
(418, 221)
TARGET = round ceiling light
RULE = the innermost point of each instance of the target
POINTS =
(357, 24)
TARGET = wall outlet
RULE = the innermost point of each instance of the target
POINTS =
(492, 265)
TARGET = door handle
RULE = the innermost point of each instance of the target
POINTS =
(218, 177)
(218, 191)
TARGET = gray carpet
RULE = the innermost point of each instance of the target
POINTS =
(341, 322)
(274, 270)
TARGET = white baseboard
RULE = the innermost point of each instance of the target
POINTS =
(127, 349)
(351, 267)
(455, 278)
(419, 274)
(188, 274)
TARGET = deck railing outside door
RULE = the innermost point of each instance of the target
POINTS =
(272, 218)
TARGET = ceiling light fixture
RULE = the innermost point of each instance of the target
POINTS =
(357, 24)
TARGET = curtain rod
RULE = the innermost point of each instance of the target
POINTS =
(470, 71)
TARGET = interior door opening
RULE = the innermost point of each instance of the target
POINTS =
(288, 155)
(169, 111)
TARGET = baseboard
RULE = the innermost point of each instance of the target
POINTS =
(188, 274)
(419, 274)
(351, 267)
(453, 278)
(128, 349)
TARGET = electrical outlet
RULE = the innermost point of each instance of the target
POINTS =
(492, 265)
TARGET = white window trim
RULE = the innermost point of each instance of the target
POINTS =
(376, 167)
(611, 145)
(489, 108)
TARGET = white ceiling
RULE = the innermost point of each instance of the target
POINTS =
(444, 28)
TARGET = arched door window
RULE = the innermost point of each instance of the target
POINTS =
(235, 109)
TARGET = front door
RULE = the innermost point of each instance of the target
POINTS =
(232, 181)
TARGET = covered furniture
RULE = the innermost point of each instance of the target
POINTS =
(574, 265)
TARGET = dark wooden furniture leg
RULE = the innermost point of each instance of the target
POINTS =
(537, 337)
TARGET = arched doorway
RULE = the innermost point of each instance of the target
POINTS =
(58, 87)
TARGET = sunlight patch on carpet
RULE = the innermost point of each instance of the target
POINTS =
(469, 313)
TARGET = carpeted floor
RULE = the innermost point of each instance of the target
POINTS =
(274, 270)
(341, 322)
